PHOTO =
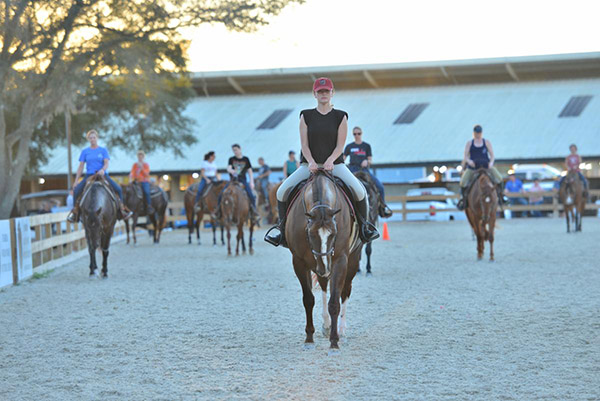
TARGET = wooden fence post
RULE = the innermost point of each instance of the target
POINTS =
(13, 247)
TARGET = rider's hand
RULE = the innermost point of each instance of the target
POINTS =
(328, 165)
(101, 172)
(471, 163)
(490, 165)
(252, 185)
(364, 164)
(312, 167)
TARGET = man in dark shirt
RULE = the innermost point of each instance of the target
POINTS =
(360, 159)
(237, 167)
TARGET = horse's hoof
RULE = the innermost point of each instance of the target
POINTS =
(105, 277)
(326, 331)
(333, 351)
(92, 276)
(369, 274)
(308, 346)
(251, 251)
(492, 260)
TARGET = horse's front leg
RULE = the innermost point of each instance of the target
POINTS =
(199, 218)
(568, 223)
(239, 237)
(133, 227)
(228, 228)
(126, 221)
(213, 224)
(251, 230)
(336, 284)
(93, 265)
(222, 235)
(308, 298)
(491, 239)
(368, 251)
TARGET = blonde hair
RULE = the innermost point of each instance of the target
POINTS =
(141, 152)
(90, 132)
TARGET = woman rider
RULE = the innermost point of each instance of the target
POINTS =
(572, 163)
(290, 165)
(208, 172)
(478, 154)
(95, 158)
(140, 172)
(323, 132)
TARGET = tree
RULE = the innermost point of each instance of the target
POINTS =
(75, 54)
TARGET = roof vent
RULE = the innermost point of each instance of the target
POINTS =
(275, 118)
(575, 106)
(410, 114)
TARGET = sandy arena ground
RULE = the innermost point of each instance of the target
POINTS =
(183, 322)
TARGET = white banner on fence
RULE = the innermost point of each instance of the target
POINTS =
(23, 245)
(6, 273)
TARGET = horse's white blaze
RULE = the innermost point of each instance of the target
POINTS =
(324, 234)
(326, 318)
(487, 199)
(342, 328)
(569, 200)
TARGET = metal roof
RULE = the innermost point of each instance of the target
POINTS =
(521, 120)
(430, 73)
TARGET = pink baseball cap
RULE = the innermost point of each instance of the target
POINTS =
(322, 83)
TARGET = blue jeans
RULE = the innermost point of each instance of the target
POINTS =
(248, 192)
(536, 213)
(263, 185)
(585, 182)
(378, 183)
(517, 201)
(201, 187)
(146, 190)
(79, 187)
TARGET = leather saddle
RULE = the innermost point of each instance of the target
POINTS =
(139, 193)
(297, 190)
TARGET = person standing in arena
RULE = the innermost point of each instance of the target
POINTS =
(264, 172)
(360, 160)
(323, 132)
(478, 154)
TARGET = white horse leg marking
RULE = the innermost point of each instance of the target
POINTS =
(342, 328)
(326, 318)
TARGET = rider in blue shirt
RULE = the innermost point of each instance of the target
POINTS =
(95, 158)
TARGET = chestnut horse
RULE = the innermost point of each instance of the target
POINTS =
(481, 210)
(208, 204)
(98, 207)
(136, 202)
(273, 215)
(571, 196)
(323, 237)
(374, 205)
(235, 210)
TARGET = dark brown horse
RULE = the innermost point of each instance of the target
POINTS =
(375, 204)
(323, 237)
(98, 207)
(135, 201)
(208, 205)
(481, 211)
(235, 210)
(571, 196)
(273, 215)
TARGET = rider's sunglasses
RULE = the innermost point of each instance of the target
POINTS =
(356, 133)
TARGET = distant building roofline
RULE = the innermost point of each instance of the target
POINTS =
(393, 75)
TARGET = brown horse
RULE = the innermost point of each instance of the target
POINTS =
(263, 205)
(375, 204)
(481, 211)
(571, 196)
(135, 201)
(323, 237)
(98, 207)
(235, 209)
(273, 215)
(208, 205)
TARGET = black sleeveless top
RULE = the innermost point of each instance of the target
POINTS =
(323, 134)
(479, 155)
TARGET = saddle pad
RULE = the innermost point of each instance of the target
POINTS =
(297, 190)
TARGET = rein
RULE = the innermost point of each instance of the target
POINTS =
(331, 251)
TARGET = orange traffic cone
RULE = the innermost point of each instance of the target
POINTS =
(386, 234)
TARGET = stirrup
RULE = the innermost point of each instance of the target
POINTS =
(275, 240)
(385, 211)
(71, 218)
(461, 204)
(368, 232)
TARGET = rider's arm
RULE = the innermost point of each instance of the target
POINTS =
(230, 169)
(491, 153)
(132, 172)
(341, 140)
(105, 167)
(284, 169)
(466, 156)
(304, 141)
(567, 163)
(251, 177)
(79, 172)
(369, 161)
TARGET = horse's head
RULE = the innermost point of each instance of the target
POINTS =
(228, 203)
(321, 230)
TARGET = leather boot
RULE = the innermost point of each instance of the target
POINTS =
(73, 217)
(279, 238)
(384, 210)
(462, 202)
(254, 214)
(150, 210)
(125, 212)
(368, 232)
(502, 200)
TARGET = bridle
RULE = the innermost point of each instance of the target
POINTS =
(329, 252)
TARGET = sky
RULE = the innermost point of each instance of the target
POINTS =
(343, 32)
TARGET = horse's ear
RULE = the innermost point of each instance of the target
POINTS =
(98, 211)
